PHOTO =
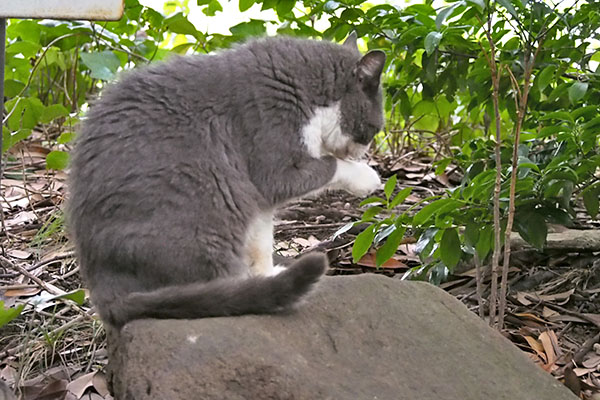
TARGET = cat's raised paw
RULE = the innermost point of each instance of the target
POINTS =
(355, 177)
(366, 181)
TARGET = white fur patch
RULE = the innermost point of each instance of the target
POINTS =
(277, 269)
(322, 135)
(323, 131)
(355, 177)
(258, 247)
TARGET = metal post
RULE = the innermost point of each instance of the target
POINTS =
(2, 62)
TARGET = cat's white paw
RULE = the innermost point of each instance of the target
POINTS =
(276, 270)
(355, 177)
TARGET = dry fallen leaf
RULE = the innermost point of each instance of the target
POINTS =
(582, 371)
(537, 347)
(523, 298)
(549, 313)
(368, 260)
(24, 292)
(560, 298)
(20, 254)
(546, 340)
(78, 386)
(591, 361)
(101, 385)
(301, 241)
(53, 390)
(531, 317)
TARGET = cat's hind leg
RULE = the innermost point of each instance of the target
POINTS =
(258, 246)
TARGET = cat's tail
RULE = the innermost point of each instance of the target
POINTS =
(222, 297)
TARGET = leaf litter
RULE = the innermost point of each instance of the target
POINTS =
(59, 350)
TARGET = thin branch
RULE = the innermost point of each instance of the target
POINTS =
(529, 62)
(495, 74)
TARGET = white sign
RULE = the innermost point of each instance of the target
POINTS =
(109, 10)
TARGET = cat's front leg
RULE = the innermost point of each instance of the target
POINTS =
(355, 177)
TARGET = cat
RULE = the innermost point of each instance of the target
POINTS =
(179, 166)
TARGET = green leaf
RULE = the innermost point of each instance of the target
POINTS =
(509, 7)
(12, 88)
(564, 173)
(591, 123)
(179, 23)
(390, 185)
(433, 208)
(211, 10)
(405, 105)
(26, 30)
(10, 313)
(253, 28)
(560, 115)
(284, 7)
(486, 242)
(400, 197)
(10, 139)
(545, 77)
(445, 13)
(585, 112)
(78, 296)
(103, 65)
(25, 112)
(577, 91)
(27, 49)
(373, 199)
(390, 246)
(371, 212)
(590, 200)
(57, 160)
(246, 4)
(343, 229)
(432, 40)
(480, 4)
(471, 233)
(66, 137)
(52, 112)
(182, 48)
(532, 228)
(425, 243)
(450, 251)
(442, 165)
(363, 243)
(551, 130)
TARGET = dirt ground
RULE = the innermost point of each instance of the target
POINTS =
(56, 348)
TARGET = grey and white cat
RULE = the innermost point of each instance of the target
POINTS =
(179, 167)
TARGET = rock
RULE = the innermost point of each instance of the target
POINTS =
(360, 337)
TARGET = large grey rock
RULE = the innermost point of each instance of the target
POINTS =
(363, 337)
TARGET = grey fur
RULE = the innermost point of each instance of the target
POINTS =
(175, 159)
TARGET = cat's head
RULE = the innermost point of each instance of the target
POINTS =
(360, 108)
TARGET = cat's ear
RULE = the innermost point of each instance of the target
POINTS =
(370, 67)
(351, 41)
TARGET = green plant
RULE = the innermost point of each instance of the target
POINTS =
(525, 78)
